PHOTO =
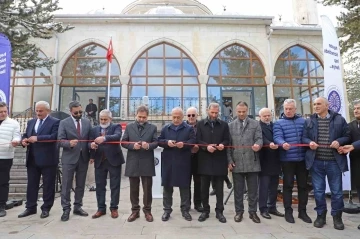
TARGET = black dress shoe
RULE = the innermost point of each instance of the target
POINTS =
(65, 216)
(303, 216)
(187, 216)
(165, 217)
(289, 217)
(212, 193)
(221, 217)
(80, 212)
(359, 227)
(238, 217)
(276, 213)
(203, 216)
(44, 214)
(26, 213)
(199, 208)
(265, 215)
(254, 217)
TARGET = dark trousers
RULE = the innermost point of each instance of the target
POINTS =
(168, 199)
(68, 171)
(101, 180)
(219, 192)
(239, 191)
(5, 166)
(34, 173)
(146, 182)
(226, 179)
(290, 169)
(268, 189)
(319, 171)
(197, 190)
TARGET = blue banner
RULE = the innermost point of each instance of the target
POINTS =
(5, 68)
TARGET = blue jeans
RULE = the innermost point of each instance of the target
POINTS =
(331, 169)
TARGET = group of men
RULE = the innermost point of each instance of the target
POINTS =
(254, 151)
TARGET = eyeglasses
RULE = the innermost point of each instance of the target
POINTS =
(78, 112)
(191, 115)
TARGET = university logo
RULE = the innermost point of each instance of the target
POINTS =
(2, 96)
(335, 99)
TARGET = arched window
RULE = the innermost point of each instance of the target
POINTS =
(29, 87)
(167, 76)
(300, 76)
(237, 74)
(85, 76)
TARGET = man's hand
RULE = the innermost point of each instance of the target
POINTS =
(92, 161)
(180, 145)
(137, 145)
(220, 147)
(32, 139)
(346, 149)
(25, 142)
(100, 139)
(144, 145)
(286, 146)
(273, 146)
(73, 143)
(93, 145)
(14, 143)
(313, 145)
(211, 148)
(171, 143)
(195, 149)
(231, 166)
(256, 147)
(335, 144)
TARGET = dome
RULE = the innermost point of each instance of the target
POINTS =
(166, 7)
(164, 10)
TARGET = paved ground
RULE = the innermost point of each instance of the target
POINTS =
(176, 228)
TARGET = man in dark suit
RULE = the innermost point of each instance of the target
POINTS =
(42, 159)
(108, 158)
(140, 161)
(270, 168)
(73, 134)
(91, 110)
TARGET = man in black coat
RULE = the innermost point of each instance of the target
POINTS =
(91, 110)
(108, 158)
(270, 168)
(42, 159)
(212, 136)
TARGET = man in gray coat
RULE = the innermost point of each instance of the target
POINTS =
(73, 134)
(246, 136)
(140, 161)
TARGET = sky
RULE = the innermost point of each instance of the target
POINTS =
(274, 8)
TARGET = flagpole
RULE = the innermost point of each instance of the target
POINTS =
(109, 77)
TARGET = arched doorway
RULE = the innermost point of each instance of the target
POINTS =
(237, 74)
(168, 76)
(300, 76)
(85, 76)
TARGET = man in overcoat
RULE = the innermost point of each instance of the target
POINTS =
(212, 136)
(107, 155)
(177, 139)
(140, 161)
(270, 168)
(244, 161)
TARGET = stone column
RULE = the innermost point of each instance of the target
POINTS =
(270, 94)
(124, 79)
(203, 79)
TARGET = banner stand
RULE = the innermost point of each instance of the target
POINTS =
(157, 190)
(5, 68)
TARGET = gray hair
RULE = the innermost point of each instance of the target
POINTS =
(106, 112)
(177, 109)
(356, 102)
(263, 110)
(290, 101)
(213, 105)
(192, 108)
(74, 104)
(323, 98)
(3, 104)
(43, 103)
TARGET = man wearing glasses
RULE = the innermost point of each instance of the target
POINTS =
(73, 134)
(192, 115)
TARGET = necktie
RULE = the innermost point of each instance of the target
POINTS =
(241, 125)
(39, 126)
(78, 129)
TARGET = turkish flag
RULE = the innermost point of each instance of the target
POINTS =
(109, 52)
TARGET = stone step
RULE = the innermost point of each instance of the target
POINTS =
(18, 173)
(17, 166)
(20, 196)
(19, 188)
(18, 179)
